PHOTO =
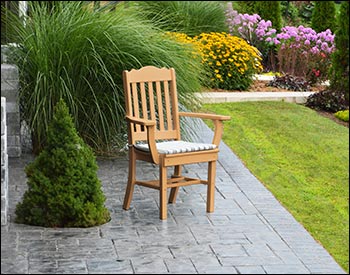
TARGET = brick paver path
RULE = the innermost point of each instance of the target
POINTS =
(249, 232)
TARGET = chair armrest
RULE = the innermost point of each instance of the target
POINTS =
(205, 116)
(150, 128)
(140, 121)
(218, 122)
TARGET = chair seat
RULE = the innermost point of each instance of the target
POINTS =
(176, 147)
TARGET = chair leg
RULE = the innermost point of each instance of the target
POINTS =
(131, 180)
(211, 186)
(175, 190)
(163, 192)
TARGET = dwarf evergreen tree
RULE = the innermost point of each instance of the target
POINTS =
(63, 187)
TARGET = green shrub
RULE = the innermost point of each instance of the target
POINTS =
(63, 188)
(329, 101)
(77, 53)
(323, 16)
(303, 52)
(290, 82)
(190, 17)
(339, 72)
(342, 115)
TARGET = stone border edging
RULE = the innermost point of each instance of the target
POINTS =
(220, 97)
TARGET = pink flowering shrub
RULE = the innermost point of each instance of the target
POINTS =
(300, 51)
(256, 31)
(303, 52)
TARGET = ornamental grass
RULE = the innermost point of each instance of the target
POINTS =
(190, 17)
(74, 52)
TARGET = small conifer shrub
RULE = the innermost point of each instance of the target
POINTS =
(63, 187)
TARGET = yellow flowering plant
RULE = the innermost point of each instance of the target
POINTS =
(230, 62)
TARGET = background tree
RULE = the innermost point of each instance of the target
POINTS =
(336, 98)
(244, 6)
(323, 16)
(270, 10)
(339, 71)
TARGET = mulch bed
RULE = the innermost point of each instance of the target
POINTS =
(261, 86)
(332, 117)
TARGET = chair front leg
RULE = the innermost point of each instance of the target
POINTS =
(131, 179)
(211, 186)
(163, 192)
(175, 190)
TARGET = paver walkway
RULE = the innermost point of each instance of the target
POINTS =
(249, 232)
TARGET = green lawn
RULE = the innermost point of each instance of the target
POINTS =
(302, 158)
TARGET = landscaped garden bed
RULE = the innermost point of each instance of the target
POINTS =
(262, 86)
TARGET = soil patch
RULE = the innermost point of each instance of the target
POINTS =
(334, 118)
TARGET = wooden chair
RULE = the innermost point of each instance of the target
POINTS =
(152, 114)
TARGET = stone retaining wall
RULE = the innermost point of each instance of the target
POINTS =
(9, 90)
(10, 126)
(4, 164)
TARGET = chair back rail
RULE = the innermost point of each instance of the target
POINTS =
(150, 93)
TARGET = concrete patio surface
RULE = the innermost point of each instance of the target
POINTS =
(250, 232)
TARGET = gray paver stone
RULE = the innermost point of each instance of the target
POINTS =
(249, 231)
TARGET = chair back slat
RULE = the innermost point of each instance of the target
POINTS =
(151, 100)
(160, 106)
(135, 105)
(143, 100)
(150, 93)
(167, 101)
(174, 100)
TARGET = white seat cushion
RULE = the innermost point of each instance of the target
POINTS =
(175, 147)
